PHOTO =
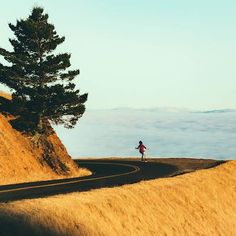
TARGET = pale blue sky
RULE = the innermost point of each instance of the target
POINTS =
(143, 54)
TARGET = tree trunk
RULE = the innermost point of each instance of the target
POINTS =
(43, 126)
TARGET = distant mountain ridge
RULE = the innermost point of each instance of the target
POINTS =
(217, 111)
(167, 109)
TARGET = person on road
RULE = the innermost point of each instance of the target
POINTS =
(142, 149)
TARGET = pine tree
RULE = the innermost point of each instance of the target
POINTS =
(41, 82)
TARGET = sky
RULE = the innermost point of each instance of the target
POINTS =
(144, 54)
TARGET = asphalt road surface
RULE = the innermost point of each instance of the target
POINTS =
(106, 173)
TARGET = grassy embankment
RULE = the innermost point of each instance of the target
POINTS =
(23, 161)
(197, 203)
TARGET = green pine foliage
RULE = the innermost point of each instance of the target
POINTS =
(41, 82)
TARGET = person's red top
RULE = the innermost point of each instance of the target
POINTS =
(142, 148)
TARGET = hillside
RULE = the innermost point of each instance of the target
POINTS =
(198, 203)
(22, 161)
(5, 95)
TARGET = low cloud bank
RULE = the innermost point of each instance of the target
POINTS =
(167, 133)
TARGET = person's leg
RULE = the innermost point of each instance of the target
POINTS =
(142, 156)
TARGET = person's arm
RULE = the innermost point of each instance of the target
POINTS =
(138, 146)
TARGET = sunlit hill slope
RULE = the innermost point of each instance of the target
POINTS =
(198, 203)
(21, 160)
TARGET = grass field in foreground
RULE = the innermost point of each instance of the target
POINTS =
(198, 203)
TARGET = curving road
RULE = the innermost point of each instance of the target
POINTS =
(105, 174)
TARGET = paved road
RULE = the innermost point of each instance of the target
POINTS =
(105, 174)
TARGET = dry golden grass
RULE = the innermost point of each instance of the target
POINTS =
(5, 95)
(198, 203)
(22, 162)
